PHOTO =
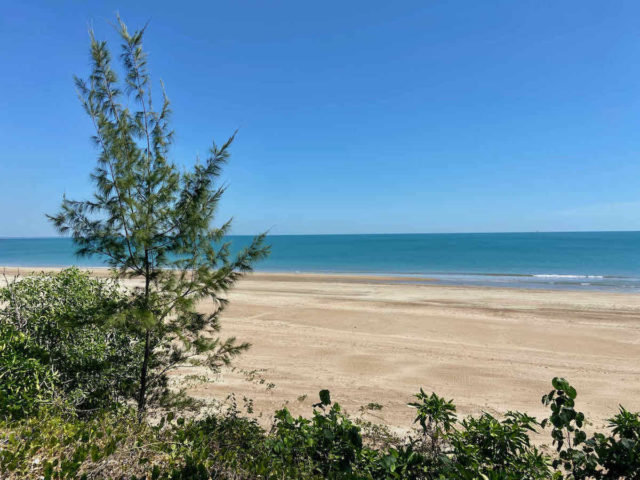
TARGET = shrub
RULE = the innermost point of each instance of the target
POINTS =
(25, 382)
(615, 456)
(54, 445)
(66, 320)
(618, 454)
(116, 444)
(329, 444)
(498, 448)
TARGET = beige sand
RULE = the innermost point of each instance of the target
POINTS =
(487, 348)
(375, 340)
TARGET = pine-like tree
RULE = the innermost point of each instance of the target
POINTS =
(151, 220)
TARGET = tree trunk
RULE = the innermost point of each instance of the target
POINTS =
(142, 398)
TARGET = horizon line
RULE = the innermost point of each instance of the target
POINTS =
(368, 233)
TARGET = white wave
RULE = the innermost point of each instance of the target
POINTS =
(550, 275)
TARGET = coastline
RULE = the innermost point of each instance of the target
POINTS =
(525, 282)
(300, 276)
(377, 339)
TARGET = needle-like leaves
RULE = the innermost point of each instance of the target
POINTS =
(151, 220)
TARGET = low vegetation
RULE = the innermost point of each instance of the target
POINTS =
(62, 327)
(68, 409)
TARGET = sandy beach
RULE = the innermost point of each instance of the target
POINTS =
(488, 349)
(377, 339)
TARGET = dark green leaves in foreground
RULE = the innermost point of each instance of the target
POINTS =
(328, 444)
(616, 456)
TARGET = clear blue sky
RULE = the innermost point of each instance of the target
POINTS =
(354, 116)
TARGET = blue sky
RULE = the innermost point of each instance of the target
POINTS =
(354, 117)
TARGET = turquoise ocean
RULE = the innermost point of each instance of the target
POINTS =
(572, 260)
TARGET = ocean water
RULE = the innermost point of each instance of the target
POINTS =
(572, 260)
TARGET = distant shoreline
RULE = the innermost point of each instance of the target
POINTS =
(583, 261)
(347, 278)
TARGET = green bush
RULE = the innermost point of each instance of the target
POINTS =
(66, 318)
(329, 444)
(498, 448)
(614, 456)
(116, 444)
(54, 445)
(25, 382)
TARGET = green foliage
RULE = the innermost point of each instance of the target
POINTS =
(434, 412)
(115, 444)
(475, 447)
(55, 446)
(57, 329)
(566, 421)
(498, 448)
(615, 456)
(330, 443)
(618, 454)
(436, 416)
(25, 382)
(371, 406)
(152, 219)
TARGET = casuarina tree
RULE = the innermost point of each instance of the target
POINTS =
(154, 221)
